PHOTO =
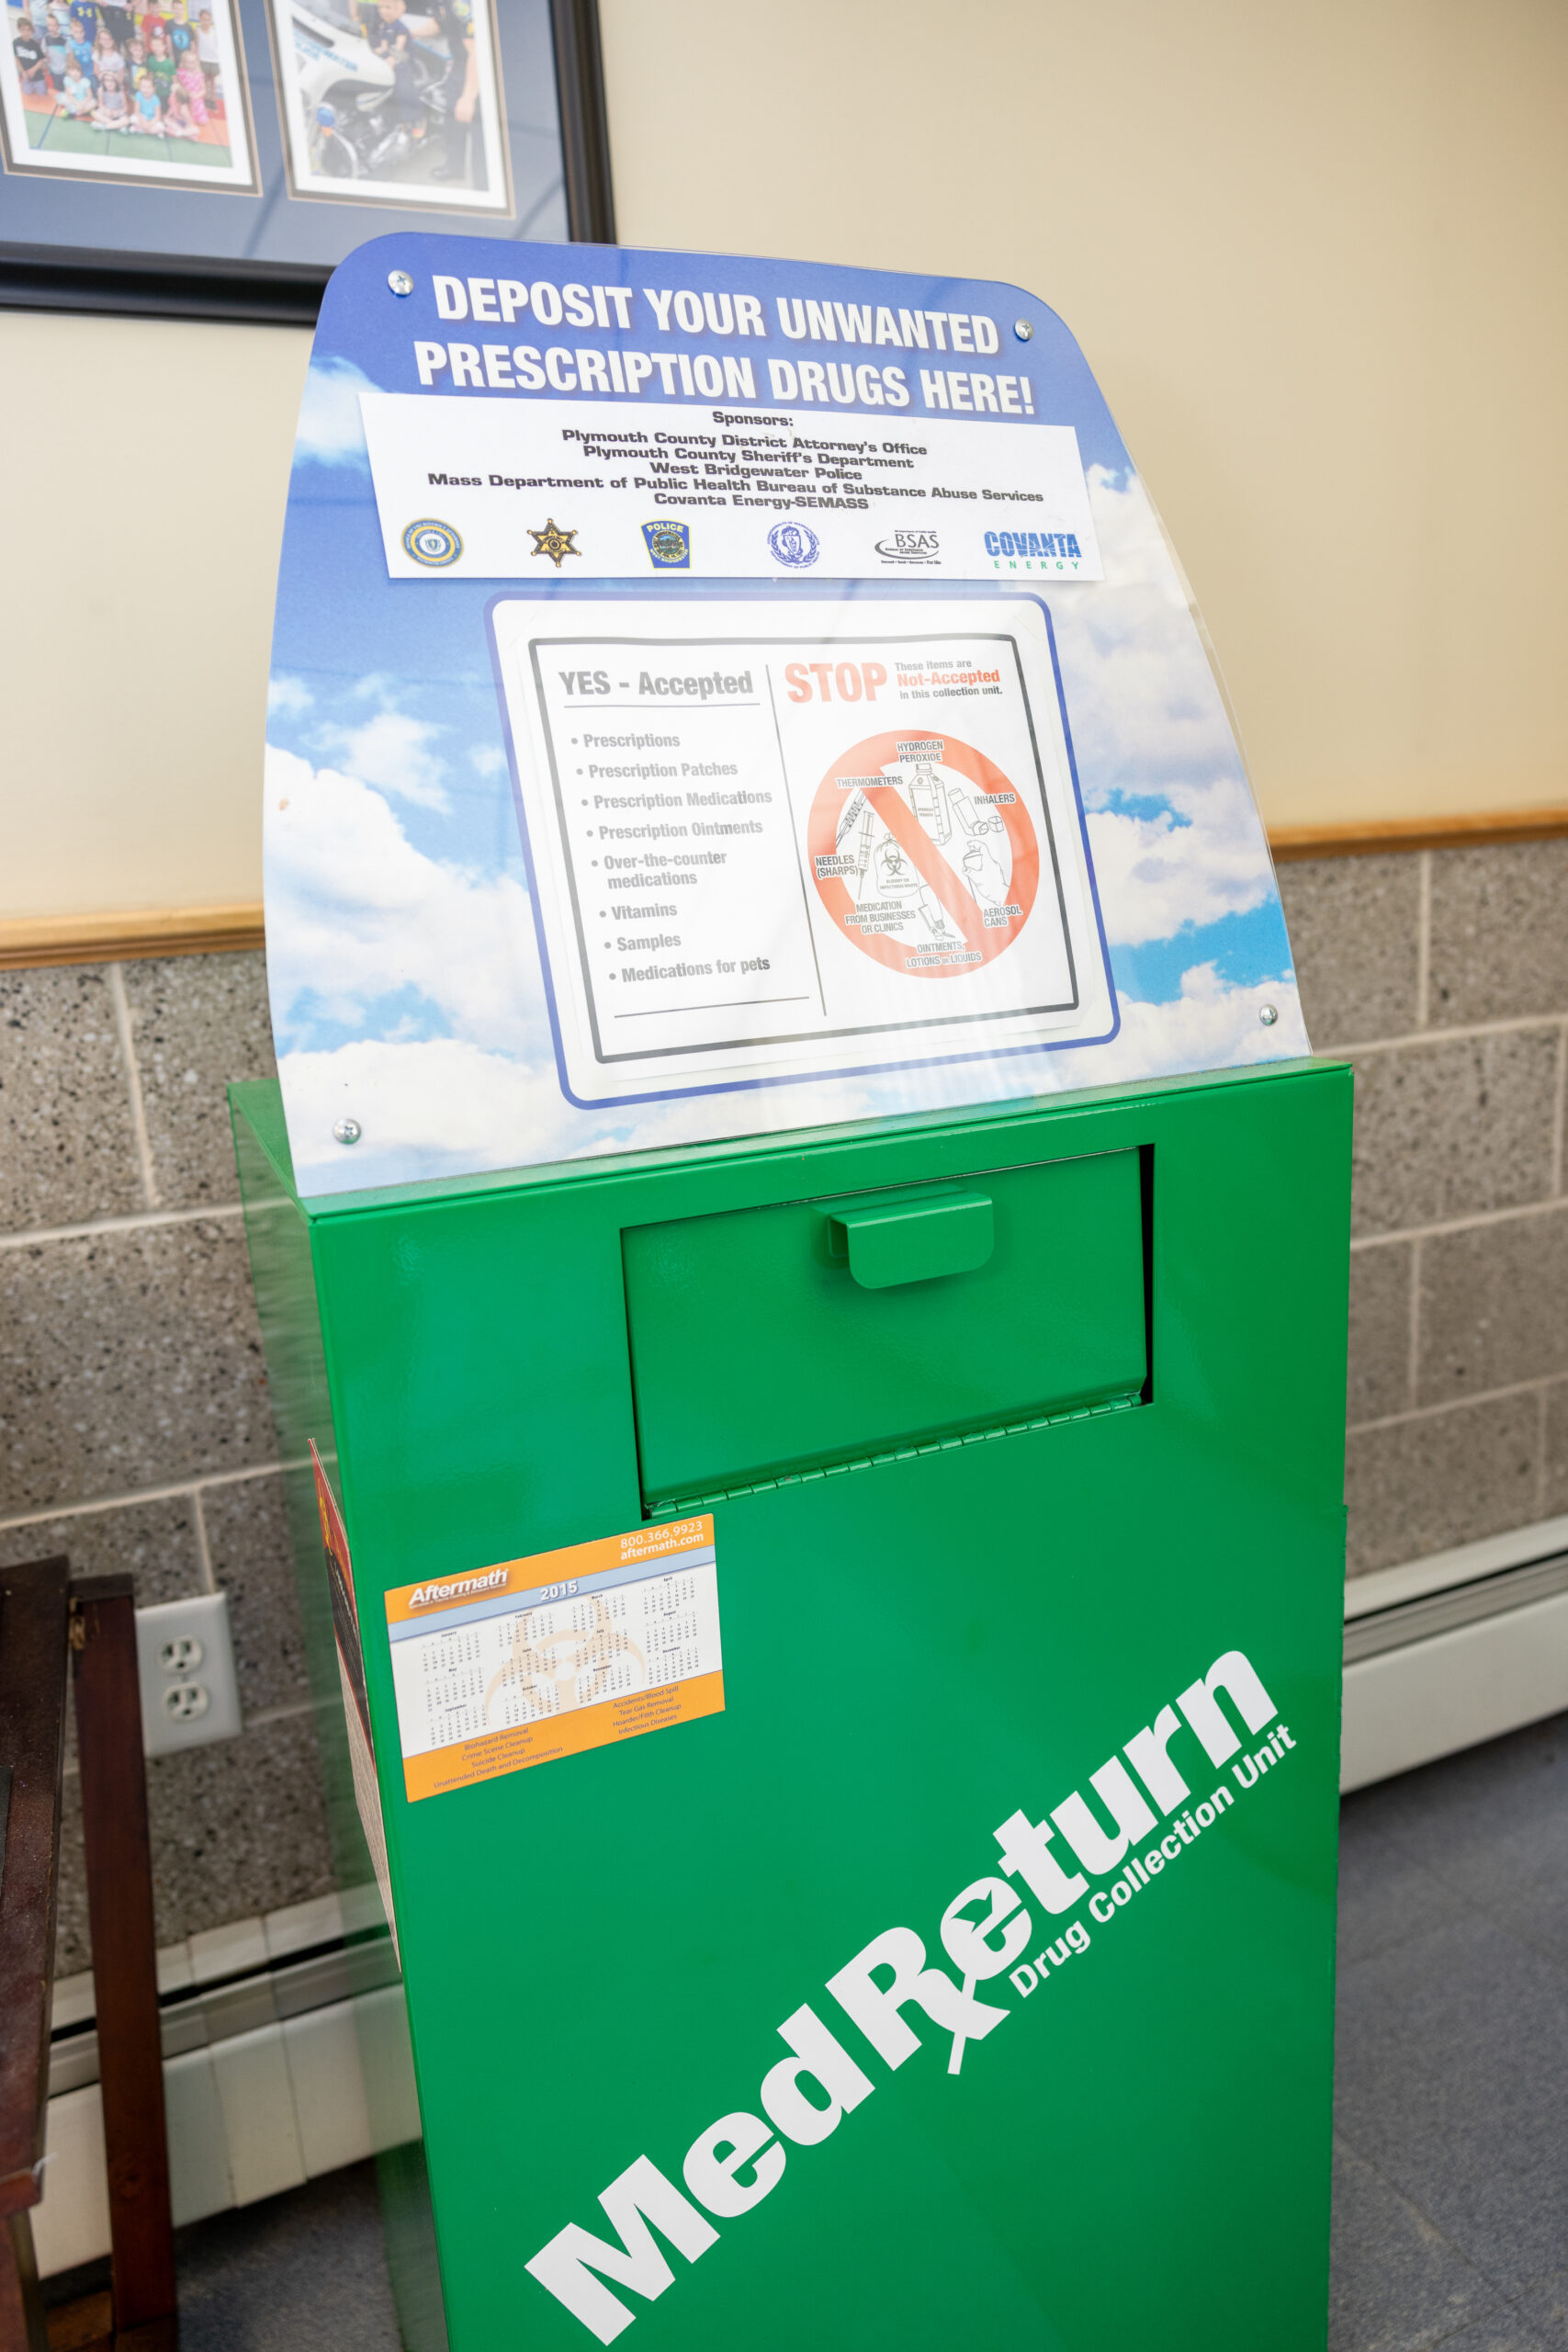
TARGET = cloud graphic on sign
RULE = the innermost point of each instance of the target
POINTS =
(287, 697)
(444, 1106)
(392, 750)
(331, 431)
(1210, 1026)
(1147, 711)
(358, 918)
(1201, 856)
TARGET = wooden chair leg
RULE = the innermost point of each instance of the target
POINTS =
(32, 1720)
(125, 1969)
(21, 2306)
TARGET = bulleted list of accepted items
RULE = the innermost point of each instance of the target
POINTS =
(499, 1668)
(780, 840)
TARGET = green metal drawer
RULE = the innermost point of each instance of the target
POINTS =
(800, 1335)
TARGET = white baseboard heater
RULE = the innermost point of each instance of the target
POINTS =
(1454, 1650)
(286, 2054)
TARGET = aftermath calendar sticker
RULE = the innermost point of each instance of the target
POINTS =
(532, 1660)
(773, 840)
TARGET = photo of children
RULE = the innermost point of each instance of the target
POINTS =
(92, 90)
(393, 100)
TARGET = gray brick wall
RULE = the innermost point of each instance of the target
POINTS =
(134, 1427)
(1444, 975)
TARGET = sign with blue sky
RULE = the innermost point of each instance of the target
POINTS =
(713, 697)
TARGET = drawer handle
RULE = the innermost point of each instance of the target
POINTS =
(913, 1240)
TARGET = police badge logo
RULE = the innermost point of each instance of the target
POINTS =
(669, 546)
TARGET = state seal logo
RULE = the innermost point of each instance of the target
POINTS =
(669, 546)
(433, 544)
(553, 541)
(794, 545)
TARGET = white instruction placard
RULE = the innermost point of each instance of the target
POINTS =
(503, 489)
(771, 839)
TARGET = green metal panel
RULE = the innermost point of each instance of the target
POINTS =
(919, 1640)
(810, 1332)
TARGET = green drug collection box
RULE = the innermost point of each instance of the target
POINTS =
(1029, 1578)
(830, 1633)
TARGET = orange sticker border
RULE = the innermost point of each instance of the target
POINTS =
(604, 1724)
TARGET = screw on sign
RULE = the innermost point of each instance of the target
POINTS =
(923, 853)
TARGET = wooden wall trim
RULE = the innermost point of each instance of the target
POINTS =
(120, 938)
(214, 931)
(1494, 830)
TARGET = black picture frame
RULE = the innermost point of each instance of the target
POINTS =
(174, 284)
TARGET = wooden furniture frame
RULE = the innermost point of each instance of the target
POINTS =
(46, 1621)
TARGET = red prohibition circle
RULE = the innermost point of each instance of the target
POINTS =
(947, 915)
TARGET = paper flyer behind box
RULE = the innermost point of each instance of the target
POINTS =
(712, 696)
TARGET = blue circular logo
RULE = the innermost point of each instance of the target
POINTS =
(433, 544)
(793, 544)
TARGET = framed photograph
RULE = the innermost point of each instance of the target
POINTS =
(382, 103)
(218, 158)
(151, 97)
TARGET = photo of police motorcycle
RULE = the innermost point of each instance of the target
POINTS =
(382, 99)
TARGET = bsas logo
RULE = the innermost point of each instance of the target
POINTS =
(909, 546)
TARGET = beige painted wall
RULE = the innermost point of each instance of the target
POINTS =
(141, 510)
(1316, 257)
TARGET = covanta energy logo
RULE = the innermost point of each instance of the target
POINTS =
(1033, 550)
(669, 546)
(985, 1931)
(435, 545)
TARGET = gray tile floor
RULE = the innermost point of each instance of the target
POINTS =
(1451, 2209)
(305, 2272)
(1451, 2218)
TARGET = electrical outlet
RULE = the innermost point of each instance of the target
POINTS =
(185, 1666)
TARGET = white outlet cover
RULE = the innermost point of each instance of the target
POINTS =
(171, 1717)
